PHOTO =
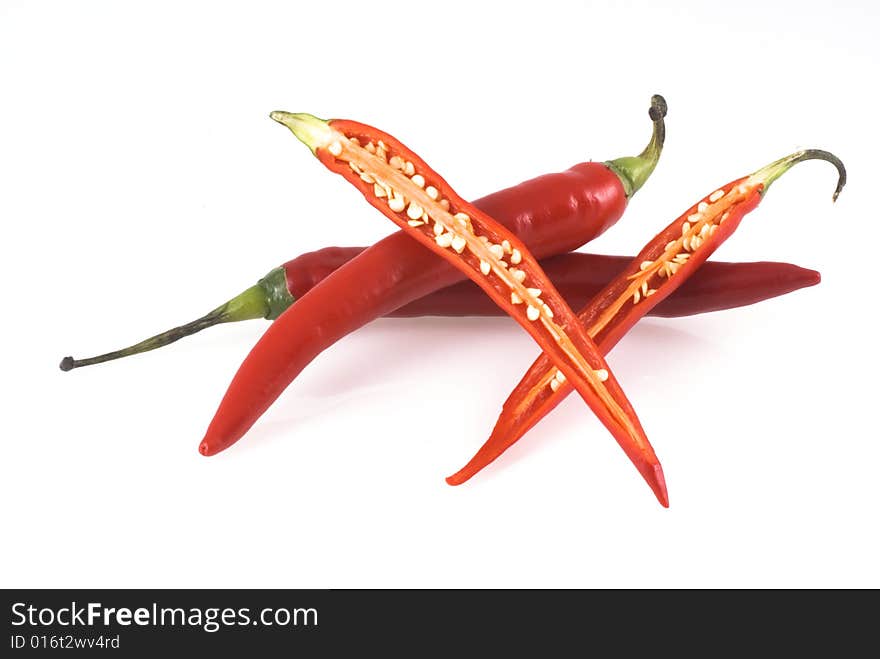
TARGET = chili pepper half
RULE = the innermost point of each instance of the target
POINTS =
(407, 191)
(665, 263)
(577, 276)
(553, 213)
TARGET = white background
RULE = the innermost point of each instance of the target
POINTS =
(142, 183)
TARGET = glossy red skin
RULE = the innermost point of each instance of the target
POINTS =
(551, 214)
(631, 439)
(515, 420)
(578, 277)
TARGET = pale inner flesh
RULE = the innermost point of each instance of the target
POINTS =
(407, 192)
(696, 229)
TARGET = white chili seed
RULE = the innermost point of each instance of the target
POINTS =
(515, 256)
(432, 192)
(396, 203)
(458, 244)
(335, 148)
(554, 384)
(532, 313)
(419, 180)
(415, 211)
(715, 196)
(505, 244)
(548, 311)
(601, 374)
(378, 190)
(515, 299)
(702, 207)
(409, 169)
(485, 267)
(497, 251)
(559, 376)
(444, 240)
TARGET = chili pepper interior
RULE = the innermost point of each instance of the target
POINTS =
(407, 191)
(661, 267)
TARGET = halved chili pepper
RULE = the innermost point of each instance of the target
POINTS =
(407, 191)
(665, 263)
(553, 213)
(577, 276)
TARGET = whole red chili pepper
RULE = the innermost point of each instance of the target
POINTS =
(554, 213)
(407, 191)
(577, 276)
(665, 263)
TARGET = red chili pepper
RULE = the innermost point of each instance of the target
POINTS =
(554, 213)
(577, 276)
(408, 192)
(666, 262)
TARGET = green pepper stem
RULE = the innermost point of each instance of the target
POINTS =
(250, 304)
(308, 129)
(769, 173)
(633, 171)
(266, 299)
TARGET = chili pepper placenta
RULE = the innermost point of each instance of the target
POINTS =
(667, 261)
(554, 213)
(577, 276)
(407, 191)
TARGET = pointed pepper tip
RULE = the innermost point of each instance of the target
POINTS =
(657, 481)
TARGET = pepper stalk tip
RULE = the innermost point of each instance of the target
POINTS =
(307, 128)
(769, 173)
(633, 171)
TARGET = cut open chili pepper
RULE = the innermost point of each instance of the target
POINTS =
(408, 192)
(552, 214)
(666, 262)
(577, 276)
